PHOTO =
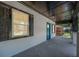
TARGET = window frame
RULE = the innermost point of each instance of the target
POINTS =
(31, 29)
(30, 18)
(18, 24)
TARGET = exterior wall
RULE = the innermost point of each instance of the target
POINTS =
(12, 47)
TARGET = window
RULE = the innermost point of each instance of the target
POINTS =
(20, 23)
(15, 23)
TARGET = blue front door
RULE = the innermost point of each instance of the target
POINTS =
(48, 27)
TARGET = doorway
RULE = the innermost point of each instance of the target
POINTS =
(48, 28)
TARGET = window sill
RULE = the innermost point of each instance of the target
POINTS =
(21, 37)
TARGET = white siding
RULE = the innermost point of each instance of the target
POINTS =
(12, 47)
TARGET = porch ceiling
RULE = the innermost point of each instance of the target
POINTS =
(55, 10)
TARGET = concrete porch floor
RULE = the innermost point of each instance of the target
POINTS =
(57, 47)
